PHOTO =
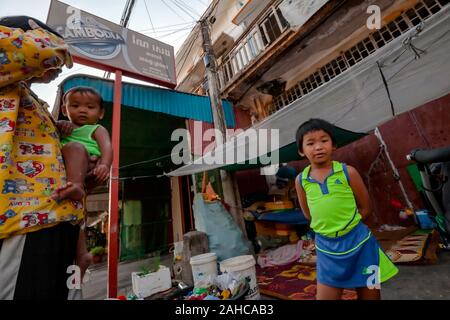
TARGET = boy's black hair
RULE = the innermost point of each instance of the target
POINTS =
(311, 126)
(22, 23)
(83, 90)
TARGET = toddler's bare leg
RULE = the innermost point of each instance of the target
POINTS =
(84, 258)
(76, 160)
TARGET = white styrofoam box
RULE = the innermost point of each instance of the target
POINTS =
(144, 286)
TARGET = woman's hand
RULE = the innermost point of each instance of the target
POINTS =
(65, 127)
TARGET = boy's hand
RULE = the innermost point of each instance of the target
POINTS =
(65, 128)
(101, 173)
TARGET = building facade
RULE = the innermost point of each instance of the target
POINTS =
(272, 53)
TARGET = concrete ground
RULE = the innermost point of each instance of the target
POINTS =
(95, 287)
(420, 282)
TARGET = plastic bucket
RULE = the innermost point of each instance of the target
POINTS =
(203, 266)
(243, 266)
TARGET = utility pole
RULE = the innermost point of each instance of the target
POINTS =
(229, 185)
(213, 81)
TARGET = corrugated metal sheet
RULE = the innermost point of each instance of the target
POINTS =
(154, 99)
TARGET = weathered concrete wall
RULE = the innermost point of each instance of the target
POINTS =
(425, 127)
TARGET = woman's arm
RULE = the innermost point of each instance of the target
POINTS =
(101, 170)
(360, 191)
(302, 199)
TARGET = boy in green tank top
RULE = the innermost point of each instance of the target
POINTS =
(82, 139)
(334, 198)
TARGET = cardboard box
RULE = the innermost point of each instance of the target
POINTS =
(273, 229)
(149, 284)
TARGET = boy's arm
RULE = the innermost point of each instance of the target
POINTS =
(360, 191)
(101, 171)
(302, 199)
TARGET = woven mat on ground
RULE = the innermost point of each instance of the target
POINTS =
(420, 246)
(389, 238)
(291, 282)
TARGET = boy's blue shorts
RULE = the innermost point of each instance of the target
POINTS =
(353, 260)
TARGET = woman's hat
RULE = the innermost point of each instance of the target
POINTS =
(27, 23)
(24, 23)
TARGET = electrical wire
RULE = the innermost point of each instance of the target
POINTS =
(171, 9)
(392, 77)
(170, 30)
(142, 177)
(145, 162)
(185, 5)
(124, 22)
(183, 35)
(148, 161)
(205, 4)
(148, 13)
(182, 9)
(387, 89)
(191, 44)
(169, 26)
(387, 80)
(186, 53)
(214, 14)
(171, 33)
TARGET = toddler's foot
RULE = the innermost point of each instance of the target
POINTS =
(71, 191)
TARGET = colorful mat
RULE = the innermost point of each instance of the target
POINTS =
(291, 282)
(410, 248)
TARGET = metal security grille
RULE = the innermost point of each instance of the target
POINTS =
(358, 52)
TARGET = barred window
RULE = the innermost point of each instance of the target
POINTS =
(378, 39)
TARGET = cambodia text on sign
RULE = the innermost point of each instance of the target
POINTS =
(111, 46)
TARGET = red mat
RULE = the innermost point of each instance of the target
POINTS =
(291, 282)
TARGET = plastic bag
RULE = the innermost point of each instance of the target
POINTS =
(224, 236)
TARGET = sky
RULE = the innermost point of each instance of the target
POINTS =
(164, 20)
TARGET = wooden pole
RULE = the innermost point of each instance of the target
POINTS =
(113, 239)
(228, 183)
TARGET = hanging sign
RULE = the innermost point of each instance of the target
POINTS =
(103, 44)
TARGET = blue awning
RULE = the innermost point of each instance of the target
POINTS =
(155, 99)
